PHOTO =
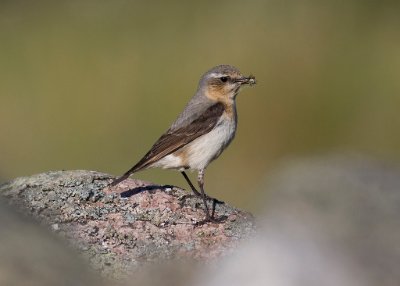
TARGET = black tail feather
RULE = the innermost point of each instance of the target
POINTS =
(125, 176)
(120, 179)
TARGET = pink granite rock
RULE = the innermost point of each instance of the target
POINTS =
(129, 225)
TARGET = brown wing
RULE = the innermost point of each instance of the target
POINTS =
(173, 140)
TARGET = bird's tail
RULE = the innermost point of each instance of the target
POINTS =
(125, 176)
(141, 165)
(120, 179)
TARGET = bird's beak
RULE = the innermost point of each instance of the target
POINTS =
(250, 80)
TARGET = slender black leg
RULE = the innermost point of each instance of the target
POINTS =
(196, 192)
(190, 184)
(200, 181)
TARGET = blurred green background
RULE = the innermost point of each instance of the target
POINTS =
(92, 84)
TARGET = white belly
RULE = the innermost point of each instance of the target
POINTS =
(209, 146)
(201, 151)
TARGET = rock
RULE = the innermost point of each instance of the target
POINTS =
(136, 222)
(31, 255)
(329, 220)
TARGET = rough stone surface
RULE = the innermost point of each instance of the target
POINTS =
(31, 255)
(129, 225)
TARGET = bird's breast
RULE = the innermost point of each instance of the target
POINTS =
(200, 152)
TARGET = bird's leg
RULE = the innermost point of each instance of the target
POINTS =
(196, 192)
(200, 181)
(190, 184)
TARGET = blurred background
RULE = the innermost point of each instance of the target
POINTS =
(92, 84)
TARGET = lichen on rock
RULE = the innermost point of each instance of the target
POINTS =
(126, 226)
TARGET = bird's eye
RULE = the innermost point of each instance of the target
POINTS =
(224, 79)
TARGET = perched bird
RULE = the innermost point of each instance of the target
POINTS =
(201, 132)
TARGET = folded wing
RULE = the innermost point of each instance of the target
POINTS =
(173, 140)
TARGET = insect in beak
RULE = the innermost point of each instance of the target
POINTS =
(250, 80)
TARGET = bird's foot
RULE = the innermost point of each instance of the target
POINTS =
(214, 200)
(211, 219)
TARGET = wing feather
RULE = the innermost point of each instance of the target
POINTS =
(173, 140)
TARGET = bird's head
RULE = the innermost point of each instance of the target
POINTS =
(223, 83)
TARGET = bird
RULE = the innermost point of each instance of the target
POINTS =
(205, 127)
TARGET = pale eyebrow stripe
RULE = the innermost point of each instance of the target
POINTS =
(217, 74)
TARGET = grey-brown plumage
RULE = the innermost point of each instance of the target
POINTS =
(202, 131)
(176, 138)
